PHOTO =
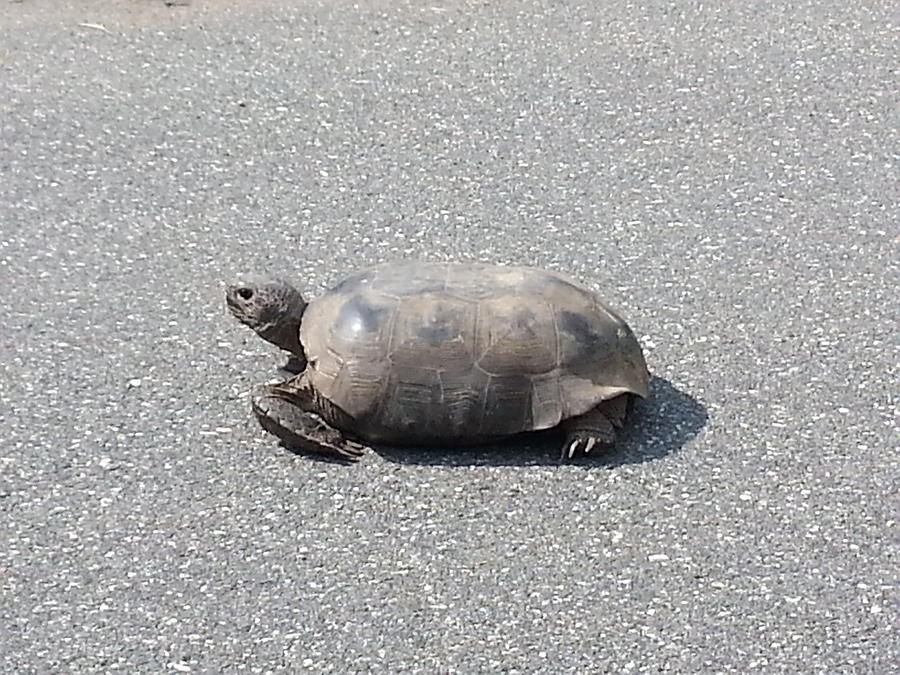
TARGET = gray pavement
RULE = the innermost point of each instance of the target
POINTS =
(725, 173)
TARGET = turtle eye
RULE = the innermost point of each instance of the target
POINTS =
(245, 293)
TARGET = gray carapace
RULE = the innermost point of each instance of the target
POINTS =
(443, 353)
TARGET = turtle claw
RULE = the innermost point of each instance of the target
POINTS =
(341, 450)
(579, 445)
(591, 432)
(575, 447)
(350, 451)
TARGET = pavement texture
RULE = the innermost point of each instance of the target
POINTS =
(725, 174)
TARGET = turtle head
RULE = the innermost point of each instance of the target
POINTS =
(272, 308)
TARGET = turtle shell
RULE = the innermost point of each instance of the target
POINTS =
(462, 352)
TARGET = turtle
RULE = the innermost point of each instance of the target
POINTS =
(432, 353)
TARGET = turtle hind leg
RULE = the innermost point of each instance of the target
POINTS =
(595, 430)
(278, 412)
(618, 409)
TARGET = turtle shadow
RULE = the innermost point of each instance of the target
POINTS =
(659, 426)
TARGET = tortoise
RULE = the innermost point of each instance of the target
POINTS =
(423, 353)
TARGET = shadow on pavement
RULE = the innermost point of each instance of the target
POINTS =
(659, 426)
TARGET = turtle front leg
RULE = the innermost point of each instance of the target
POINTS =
(281, 409)
(596, 429)
(294, 365)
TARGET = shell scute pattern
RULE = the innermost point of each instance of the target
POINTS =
(434, 332)
(517, 336)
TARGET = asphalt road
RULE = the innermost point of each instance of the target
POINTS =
(725, 174)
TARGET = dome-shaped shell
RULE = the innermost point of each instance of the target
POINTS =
(459, 352)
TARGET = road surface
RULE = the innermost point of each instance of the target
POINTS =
(725, 174)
